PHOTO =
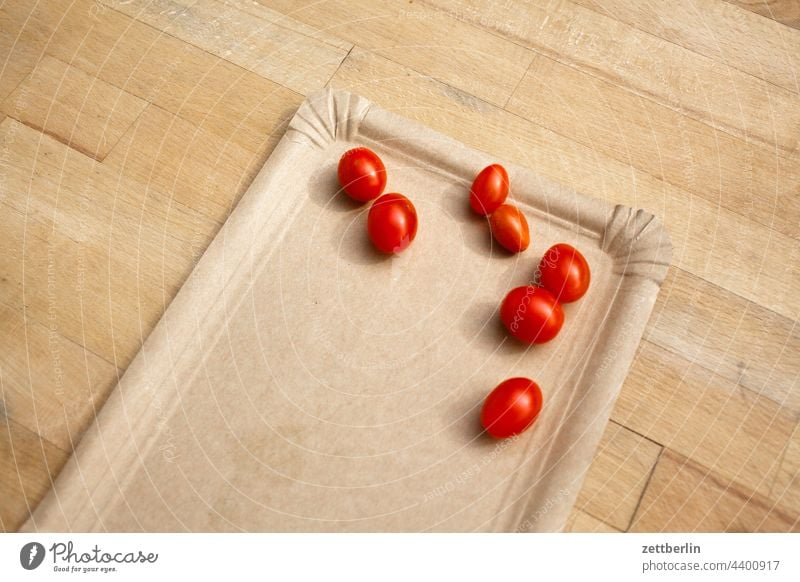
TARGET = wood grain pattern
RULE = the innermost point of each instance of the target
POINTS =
(258, 45)
(691, 111)
(786, 491)
(26, 464)
(738, 340)
(217, 95)
(582, 522)
(462, 55)
(692, 84)
(725, 170)
(198, 169)
(260, 11)
(105, 264)
(52, 386)
(763, 48)
(684, 496)
(617, 477)
(713, 421)
(83, 112)
(19, 60)
(784, 11)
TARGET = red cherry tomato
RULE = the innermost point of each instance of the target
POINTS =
(489, 190)
(511, 407)
(564, 272)
(362, 174)
(531, 314)
(510, 228)
(392, 223)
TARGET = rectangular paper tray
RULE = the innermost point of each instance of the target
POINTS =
(300, 381)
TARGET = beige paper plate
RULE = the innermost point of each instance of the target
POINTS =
(301, 381)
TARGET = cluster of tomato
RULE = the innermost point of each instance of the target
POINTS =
(392, 219)
(531, 313)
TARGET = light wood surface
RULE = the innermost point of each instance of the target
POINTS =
(784, 11)
(128, 131)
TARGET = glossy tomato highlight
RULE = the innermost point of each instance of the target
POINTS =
(511, 407)
(392, 223)
(362, 174)
(531, 314)
(564, 272)
(510, 228)
(489, 190)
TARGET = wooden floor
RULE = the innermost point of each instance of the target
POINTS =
(130, 128)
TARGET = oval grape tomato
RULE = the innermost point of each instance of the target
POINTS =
(511, 407)
(489, 190)
(362, 174)
(392, 223)
(531, 314)
(510, 228)
(564, 272)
